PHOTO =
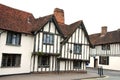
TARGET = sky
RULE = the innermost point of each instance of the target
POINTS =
(94, 13)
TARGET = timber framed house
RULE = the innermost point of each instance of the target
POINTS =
(45, 44)
(106, 49)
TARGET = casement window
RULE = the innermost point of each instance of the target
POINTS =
(11, 60)
(44, 61)
(77, 64)
(48, 39)
(13, 38)
(106, 47)
(77, 48)
(104, 60)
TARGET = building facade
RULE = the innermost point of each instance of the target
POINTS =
(45, 44)
(16, 41)
(75, 49)
(106, 51)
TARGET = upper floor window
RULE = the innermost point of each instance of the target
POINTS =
(106, 47)
(11, 60)
(77, 48)
(13, 38)
(48, 39)
(104, 60)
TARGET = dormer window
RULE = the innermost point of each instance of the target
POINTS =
(106, 47)
(13, 38)
(48, 39)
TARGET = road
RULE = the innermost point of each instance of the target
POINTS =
(111, 75)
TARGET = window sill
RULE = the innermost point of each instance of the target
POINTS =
(104, 64)
(47, 44)
(78, 53)
(44, 66)
(77, 67)
(13, 45)
(11, 67)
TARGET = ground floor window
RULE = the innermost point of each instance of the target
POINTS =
(77, 64)
(44, 61)
(11, 60)
(104, 60)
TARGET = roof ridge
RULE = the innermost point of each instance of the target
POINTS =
(106, 33)
(8, 7)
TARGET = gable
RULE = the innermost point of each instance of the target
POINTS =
(47, 24)
(51, 28)
(78, 37)
(77, 31)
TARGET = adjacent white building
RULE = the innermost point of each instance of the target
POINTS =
(106, 51)
(45, 44)
(16, 41)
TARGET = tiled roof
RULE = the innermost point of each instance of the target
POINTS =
(40, 22)
(68, 30)
(109, 37)
(74, 26)
(24, 22)
(65, 29)
(15, 20)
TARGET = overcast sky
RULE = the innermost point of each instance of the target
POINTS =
(94, 13)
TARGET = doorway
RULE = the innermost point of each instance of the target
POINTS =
(95, 63)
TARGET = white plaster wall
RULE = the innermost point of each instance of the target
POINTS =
(113, 63)
(114, 50)
(113, 53)
(62, 65)
(52, 30)
(91, 64)
(46, 27)
(25, 50)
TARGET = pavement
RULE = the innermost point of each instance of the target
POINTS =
(110, 74)
(63, 76)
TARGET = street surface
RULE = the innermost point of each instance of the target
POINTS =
(91, 75)
(110, 74)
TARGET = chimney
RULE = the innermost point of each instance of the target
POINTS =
(103, 30)
(59, 15)
(118, 29)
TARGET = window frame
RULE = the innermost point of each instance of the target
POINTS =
(105, 46)
(75, 49)
(42, 63)
(49, 40)
(77, 64)
(104, 60)
(14, 60)
(13, 38)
